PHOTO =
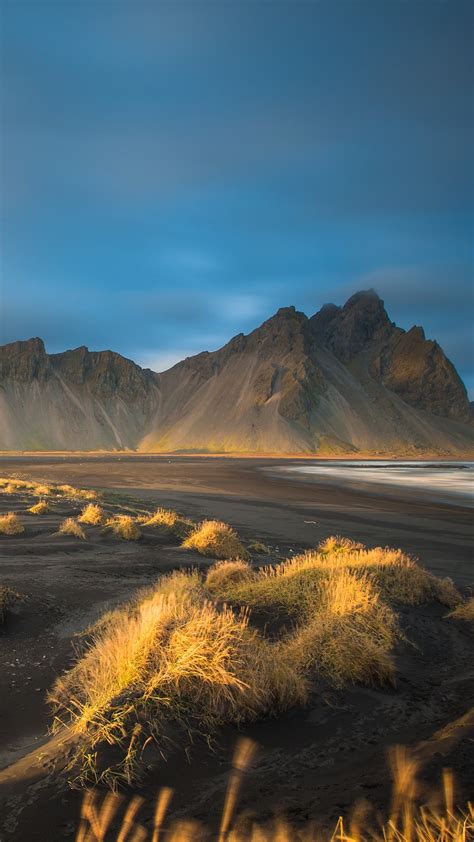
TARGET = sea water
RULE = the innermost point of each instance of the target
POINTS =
(451, 482)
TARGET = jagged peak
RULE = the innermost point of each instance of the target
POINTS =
(34, 345)
(363, 296)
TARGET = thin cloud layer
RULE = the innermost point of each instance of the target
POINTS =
(173, 173)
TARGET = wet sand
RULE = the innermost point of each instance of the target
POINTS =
(281, 508)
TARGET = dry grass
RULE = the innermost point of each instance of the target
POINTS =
(439, 820)
(92, 514)
(464, 611)
(168, 520)
(125, 527)
(224, 574)
(349, 635)
(215, 539)
(178, 655)
(162, 517)
(10, 524)
(172, 658)
(15, 484)
(39, 508)
(76, 493)
(41, 490)
(292, 585)
(258, 547)
(336, 544)
(345, 630)
(69, 526)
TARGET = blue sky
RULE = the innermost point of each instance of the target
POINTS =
(172, 173)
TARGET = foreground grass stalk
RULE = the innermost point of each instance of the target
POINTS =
(243, 756)
(162, 803)
(408, 821)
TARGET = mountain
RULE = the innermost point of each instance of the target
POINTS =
(345, 380)
(78, 400)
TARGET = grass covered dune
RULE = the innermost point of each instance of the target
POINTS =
(186, 655)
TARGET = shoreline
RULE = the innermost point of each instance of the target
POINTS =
(134, 454)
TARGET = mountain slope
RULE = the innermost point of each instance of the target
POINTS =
(72, 401)
(346, 380)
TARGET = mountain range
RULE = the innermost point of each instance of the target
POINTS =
(344, 381)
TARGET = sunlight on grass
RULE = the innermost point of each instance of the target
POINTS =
(10, 524)
(69, 526)
(173, 657)
(215, 539)
(124, 526)
(179, 655)
(169, 521)
(435, 819)
(39, 508)
(92, 514)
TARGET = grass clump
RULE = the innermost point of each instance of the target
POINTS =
(92, 514)
(10, 524)
(39, 508)
(9, 488)
(76, 493)
(168, 520)
(464, 611)
(397, 575)
(258, 547)
(125, 527)
(69, 526)
(172, 659)
(215, 539)
(41, 490)
(179, 656)
(224, 574)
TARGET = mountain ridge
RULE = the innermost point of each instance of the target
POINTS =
(345, 380)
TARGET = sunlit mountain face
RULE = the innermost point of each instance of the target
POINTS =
(344, 381)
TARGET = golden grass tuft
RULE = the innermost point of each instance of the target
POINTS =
(162, 517)
(168, 520)
(92, 514)
(41, 490)
(15, 484)
(81, 493)
(174, 658)
(215, 539)
(397, 575)
(39, 508)
(337, 544)
(67, 490)
(124, 526)
(10, 524)
(69, 526)
(349, 634)
(11, 488)
(179, 655)
(464, 611)
(87, 494)
(225, 573)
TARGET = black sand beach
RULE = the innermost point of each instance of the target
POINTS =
(312, 763)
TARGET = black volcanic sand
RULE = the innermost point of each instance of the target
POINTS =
(311, 763)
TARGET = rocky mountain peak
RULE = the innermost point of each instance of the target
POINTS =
(347, 379)
(23, 360)
(348, 330)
